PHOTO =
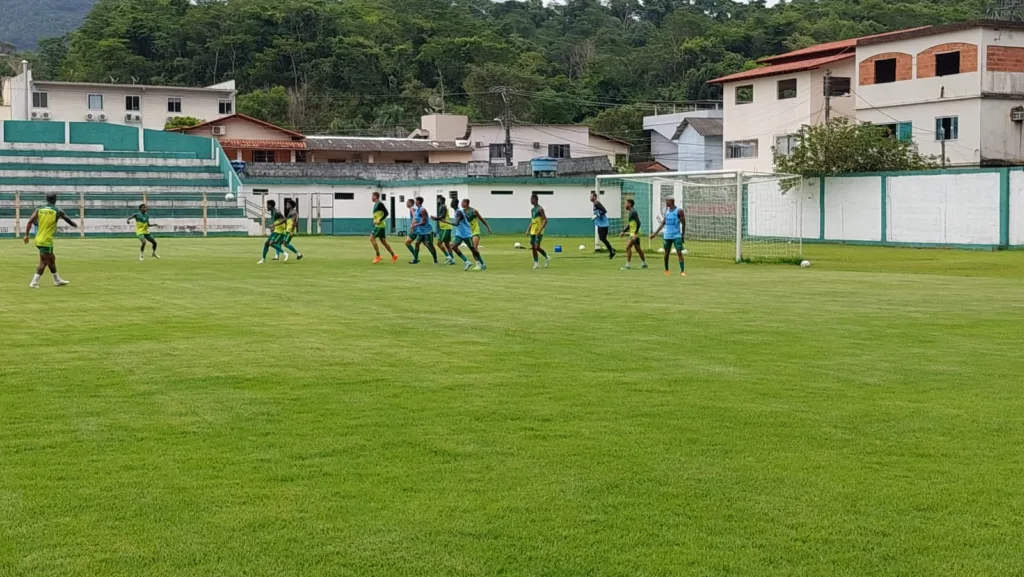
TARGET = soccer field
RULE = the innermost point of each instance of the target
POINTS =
(204, 416)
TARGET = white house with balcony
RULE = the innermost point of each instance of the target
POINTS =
(687, 141)
(128, 104)
(530, 141)
(957, 89)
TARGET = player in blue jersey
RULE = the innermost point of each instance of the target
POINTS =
(423, 230)
(464, 235)
(601, 222)
(411, 235)
(674, 226)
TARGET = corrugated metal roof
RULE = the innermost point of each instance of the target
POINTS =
(364, 144)
(703, 126)
(263, 144)
(775, 69)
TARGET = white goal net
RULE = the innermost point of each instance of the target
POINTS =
(746, 217)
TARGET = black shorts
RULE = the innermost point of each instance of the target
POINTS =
(602, 233)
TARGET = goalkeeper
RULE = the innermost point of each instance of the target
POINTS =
(633, 229)
(601, 222)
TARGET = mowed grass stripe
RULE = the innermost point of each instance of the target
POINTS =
(204, 415)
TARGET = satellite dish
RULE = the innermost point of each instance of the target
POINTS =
(436, 102)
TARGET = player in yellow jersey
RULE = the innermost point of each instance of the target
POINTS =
(278, 225)
(379, 232)
(538, 222)
(633, 230)
(444, 229)
(291, 212)
(45, 220)
(475, 218)
(142, 225)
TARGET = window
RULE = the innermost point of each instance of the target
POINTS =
(543, 192)
(174, 104)
(786, 144)
(787, 89)
(95, 102)
(300, 156)
(558, 151)
(453, 194)
(741, 149)
(40, 100)
(502, 192)
(344, 196)
(260, 190)
(899, 130)
(263, 156)
(839, 86)
(403, 162)
(497, 151)
(885, 71)
(225, 106)
(745, 94)
(131, 103)
(947, 64)
(947, 128)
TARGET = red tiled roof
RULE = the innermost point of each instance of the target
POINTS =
(650, 166)
(837, 46)
(245, 118)
(787, 68)
(263, 144)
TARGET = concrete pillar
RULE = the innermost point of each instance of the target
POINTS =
(142, 139)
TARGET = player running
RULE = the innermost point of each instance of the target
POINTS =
(444, 229)
(601, 222)
(675, 230)
(291, 212)
(463, 235)
(411, 235)
(278, 225)
(633, 229)
(142, 225)
(538, 222)
(45, 220)
(380, 215)
(423, 231)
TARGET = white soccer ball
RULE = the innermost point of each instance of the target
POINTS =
(229, 197)
(805, 264)
(685, 252)
(661, 250)
(517, 245)
(583, 247)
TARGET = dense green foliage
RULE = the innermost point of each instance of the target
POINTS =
(376, 65)
(203, 416)
(24, 22)
(182, 122)
(842, 146)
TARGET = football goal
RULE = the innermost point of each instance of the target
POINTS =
(741, 216)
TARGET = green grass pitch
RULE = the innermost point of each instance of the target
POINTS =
(205, 416)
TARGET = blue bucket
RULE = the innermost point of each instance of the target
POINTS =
(558, 248)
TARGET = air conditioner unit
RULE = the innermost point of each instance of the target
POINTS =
(90, 117)
(137, 117)
(46, 116)
(1017, 115)
(103, 118)
(536, 145)
(128, 117)
(35, 115)
(220, 130)
(479, 144)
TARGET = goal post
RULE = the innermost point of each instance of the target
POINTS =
(730, 215)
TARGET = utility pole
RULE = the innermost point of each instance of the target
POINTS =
(506, 98)
(943, 150)
(828, 95)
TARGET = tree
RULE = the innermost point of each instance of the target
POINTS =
(179, 122)
(843, 147)
(267, 105)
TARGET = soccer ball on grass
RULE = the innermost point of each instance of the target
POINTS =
(583, 247)
(806, 264)
(517, 245)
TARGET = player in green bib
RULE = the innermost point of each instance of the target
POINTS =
(291, 212)
(142, 225)
(633, 230)
(538, 222)
(444, 229)
(45, 220)
(379, 231)
(475, 218)
(278, 224)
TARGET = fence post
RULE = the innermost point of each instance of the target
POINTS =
(205, 214)
(309, 217)
(885, 208)
(81, 214)
(319, 222)
(1004, 208)
(17, 213)
(263, 213)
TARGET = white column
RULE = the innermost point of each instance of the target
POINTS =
(142, 139)
(67, 133)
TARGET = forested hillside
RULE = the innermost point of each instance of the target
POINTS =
(22, 22)
(373, 65)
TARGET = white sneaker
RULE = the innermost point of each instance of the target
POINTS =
(285, 257)
(260, 261)
(62, 282)
(536, 265)
(141, 257)
(627, 267)
(33, 285)
(643, 265)
(478, 267)
(276, 257)
(468, 266)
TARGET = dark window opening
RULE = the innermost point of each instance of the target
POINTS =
(300, 156)
(787, 89)
(505, 192)
(885, 71)
(839, 86)
(344, 196)
(947, 64)
(558, 150)
(540, 192)
(947, 128)
(453, 194)
(497, 151)
(263, 156)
